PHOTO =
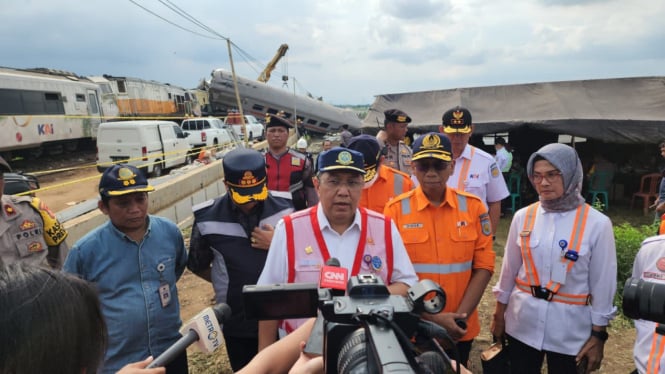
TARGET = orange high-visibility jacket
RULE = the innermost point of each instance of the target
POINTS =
(447, 242)
(389, 184)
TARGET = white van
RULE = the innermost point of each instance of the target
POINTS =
(152, 146)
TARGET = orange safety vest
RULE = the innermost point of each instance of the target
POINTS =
(445, 242)
(661, 228)
(551, 291)
(657, 347)
(389, 184)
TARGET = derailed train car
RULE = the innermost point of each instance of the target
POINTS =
(45, 110)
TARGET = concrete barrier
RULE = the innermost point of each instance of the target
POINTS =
(173, 197)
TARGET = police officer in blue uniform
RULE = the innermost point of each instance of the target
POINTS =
(229, 243)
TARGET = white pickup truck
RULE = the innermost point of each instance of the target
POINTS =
(207, 132)
(254, 127)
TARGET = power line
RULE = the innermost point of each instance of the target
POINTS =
(251, 61)
(172, 23)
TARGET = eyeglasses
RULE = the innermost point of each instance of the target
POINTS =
(437, 165)
(551, 176)
(336, 183)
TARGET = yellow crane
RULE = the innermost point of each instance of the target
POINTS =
(265, 74)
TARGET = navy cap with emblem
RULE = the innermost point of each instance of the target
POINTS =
(245, 175)
(274, 121)
(395, 116)
(4, 165)
(457, 119)
(371, 150)
(432, 145)
(341, 159)
(123, 179)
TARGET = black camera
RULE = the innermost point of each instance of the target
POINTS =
(644, 300)
(369, 330)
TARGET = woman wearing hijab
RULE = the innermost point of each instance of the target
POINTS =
(559, 253)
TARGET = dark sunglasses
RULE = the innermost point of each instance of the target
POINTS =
(437, 165)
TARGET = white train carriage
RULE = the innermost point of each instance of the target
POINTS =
(50, 111)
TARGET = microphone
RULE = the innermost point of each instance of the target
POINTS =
(203, 330)
(334, 277)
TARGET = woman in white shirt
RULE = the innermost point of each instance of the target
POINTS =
(559, 253)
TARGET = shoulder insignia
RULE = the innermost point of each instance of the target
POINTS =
(202, 205)
(295, 161)
(282, 194)
(653, 239)
(9, 210)
(495, 170)
(54, 231)
(485, 224)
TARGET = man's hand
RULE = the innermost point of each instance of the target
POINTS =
(262, 236)
(447, 321)
(660, 207)
(593, 351)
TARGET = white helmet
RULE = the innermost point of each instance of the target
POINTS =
(302, 143)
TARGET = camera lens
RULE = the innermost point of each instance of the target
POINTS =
(353, 355)
(644, 300)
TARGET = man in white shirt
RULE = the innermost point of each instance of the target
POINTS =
(475, 170)
(504, 159)
(362, 240)
(649, 266)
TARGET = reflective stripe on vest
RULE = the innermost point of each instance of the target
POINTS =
(398, 184)
(657, 347)
(466, 164)
(533, 280)
(406, 206)
(443, 269)
(558, 297)
(461, 203)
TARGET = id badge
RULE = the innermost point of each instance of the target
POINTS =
(165, 294)
(559, 272)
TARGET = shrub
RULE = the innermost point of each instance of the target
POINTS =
(628, 239)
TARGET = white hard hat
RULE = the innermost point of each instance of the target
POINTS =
(302, 143)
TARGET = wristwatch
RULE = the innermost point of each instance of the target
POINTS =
(602, 335)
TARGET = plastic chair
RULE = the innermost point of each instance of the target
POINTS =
(514, 187)
(599, 187)
(648, 191)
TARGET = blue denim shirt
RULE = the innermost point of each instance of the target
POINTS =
(127, 278)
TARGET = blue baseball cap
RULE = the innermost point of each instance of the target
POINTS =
(123, 179)
(341, 159)
(432, 145)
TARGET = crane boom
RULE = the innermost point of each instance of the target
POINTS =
(265, 74)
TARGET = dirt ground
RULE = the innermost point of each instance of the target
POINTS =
(195, 294)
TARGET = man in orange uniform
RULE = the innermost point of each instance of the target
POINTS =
(448, 236)
(382, 182)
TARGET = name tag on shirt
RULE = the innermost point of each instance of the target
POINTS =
(165, 294)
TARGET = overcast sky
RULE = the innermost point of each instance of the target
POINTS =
(346, 51)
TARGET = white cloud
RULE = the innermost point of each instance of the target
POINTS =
(344, 50)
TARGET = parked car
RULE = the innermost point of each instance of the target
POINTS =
(152, 146)
(255, 129)
(207, 132)
(16, 183)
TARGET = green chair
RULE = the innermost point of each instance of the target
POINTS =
(515, 188)
(599, 187)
